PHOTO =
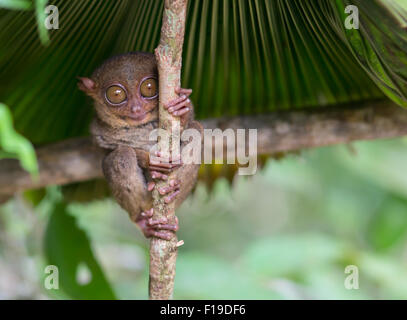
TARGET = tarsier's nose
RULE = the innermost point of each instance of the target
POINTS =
(136, 109)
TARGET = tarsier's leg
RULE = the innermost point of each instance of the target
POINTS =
(128, 185)
(188, 175)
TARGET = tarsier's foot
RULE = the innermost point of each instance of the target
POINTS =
(182, 105)
(172, 190)
(159, 169)
(159, 228)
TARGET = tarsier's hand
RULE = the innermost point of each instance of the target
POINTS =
(181, 106)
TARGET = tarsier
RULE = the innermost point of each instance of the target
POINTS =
(125, 93)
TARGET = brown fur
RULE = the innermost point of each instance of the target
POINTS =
(125, 167)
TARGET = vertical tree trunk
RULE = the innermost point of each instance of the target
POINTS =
(163, 254)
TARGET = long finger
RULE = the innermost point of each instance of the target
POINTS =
(186, 92)
(165, 165)
(148, 213)
(175, 101)
(171, 197)
(159, 160)
(167, 226)
(173, 185)
(162, 170)
(180, 105)
(158, 156)
(162, 234)
(181, 112)
(150, 186)
(153, 222)
(158, 175)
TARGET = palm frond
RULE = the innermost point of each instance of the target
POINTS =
(380, 45)
(13, 145)
(240, 57)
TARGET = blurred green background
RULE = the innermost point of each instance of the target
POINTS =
(286, 233)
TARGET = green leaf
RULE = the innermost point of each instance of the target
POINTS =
(389, 226)
(14, 145)
(380, 43)
(240, 57)
(68, 248)
(40, 15)
(15, 4)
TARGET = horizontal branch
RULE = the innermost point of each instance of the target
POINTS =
(65, 162)
(78, 159)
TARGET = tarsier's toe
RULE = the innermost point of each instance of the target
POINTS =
(173, 185)
(172, 190)
(162, 224)
(158, 175)
(148, 213)
(171, 197)
(161, 235)
(159, 228)
(180, 90)
(150, 186)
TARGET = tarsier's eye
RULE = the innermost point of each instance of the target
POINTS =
(116, 94)
(149, 88)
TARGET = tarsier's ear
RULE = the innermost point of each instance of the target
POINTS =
(87, 85)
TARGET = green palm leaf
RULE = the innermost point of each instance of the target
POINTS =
(13, 145)
(380, 45)
(240, 57)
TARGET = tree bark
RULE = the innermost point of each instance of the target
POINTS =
(77, 159)
(163, 253)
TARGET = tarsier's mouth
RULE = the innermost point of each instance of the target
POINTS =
(138, 117)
